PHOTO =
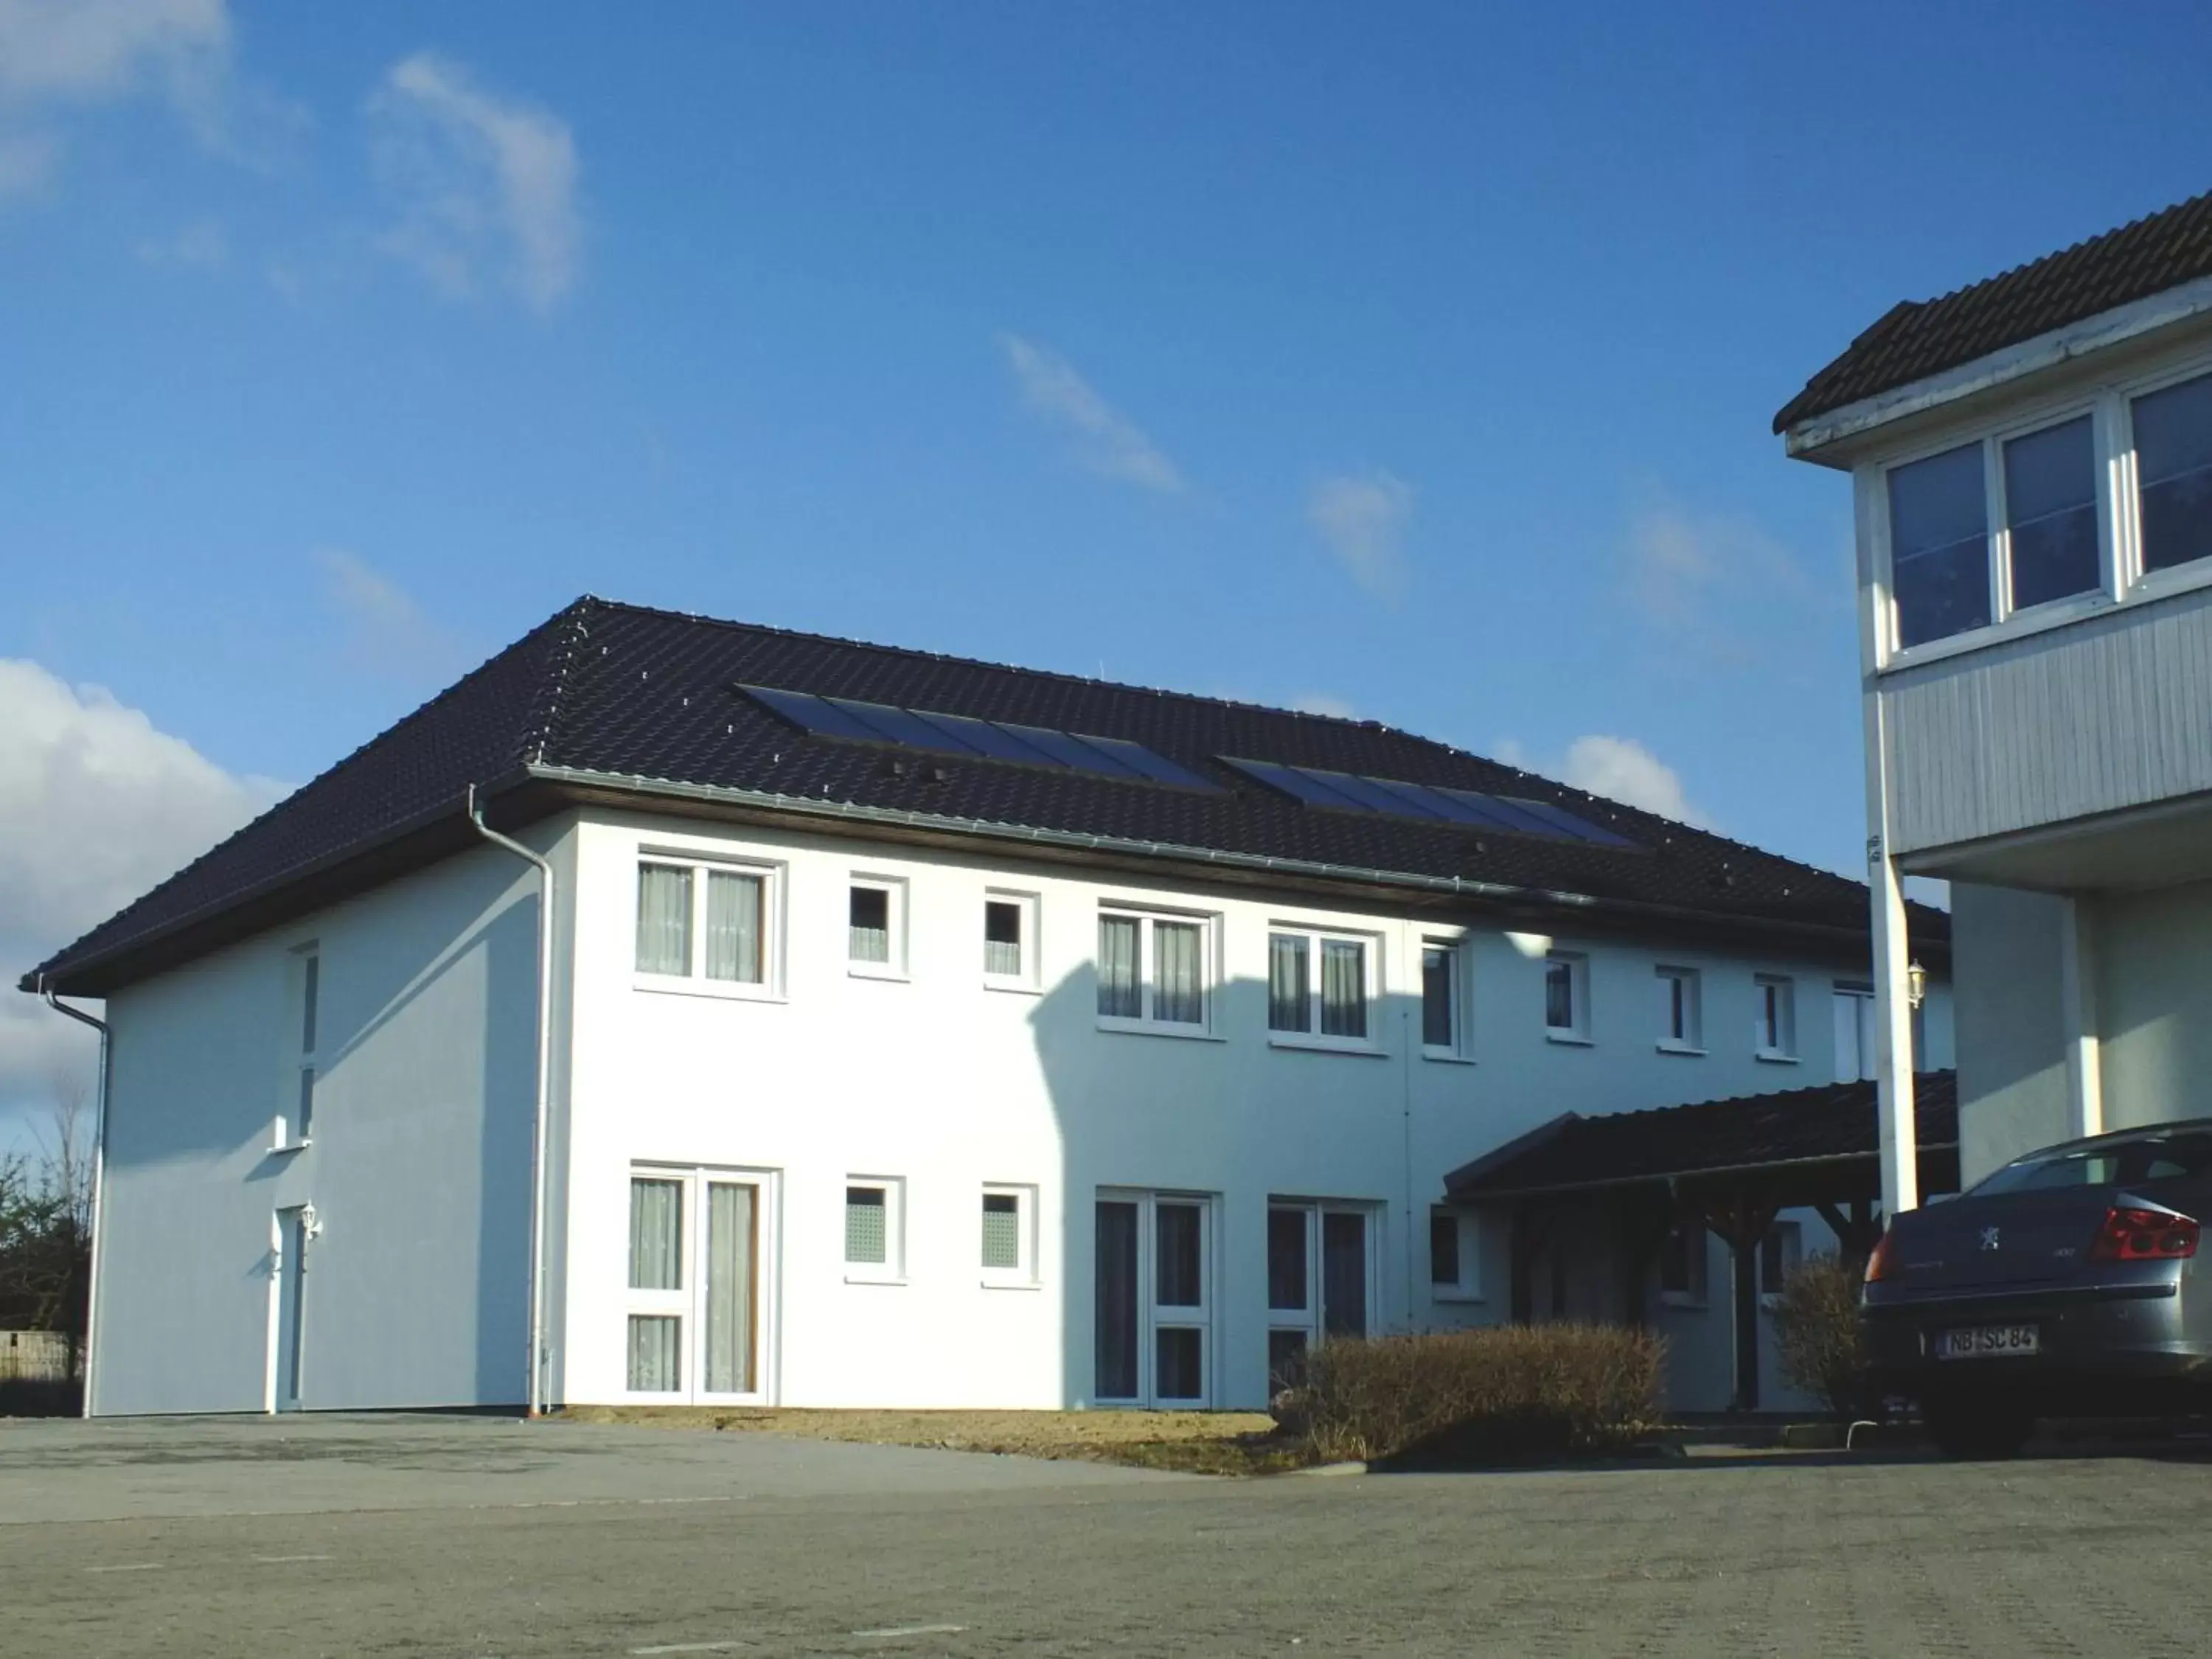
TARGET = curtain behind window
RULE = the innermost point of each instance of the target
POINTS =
(733, 927)
(656, 1353)
(1120, 996)
(1178, 983)
(729, 1288)
(663, 919)
(1437, 997)
(1002, 938)
(1290, 993)
(1343, 989)
(656, 1235)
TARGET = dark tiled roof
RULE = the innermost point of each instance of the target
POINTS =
(1797, 1126)
(1919, 338)
(644, 698)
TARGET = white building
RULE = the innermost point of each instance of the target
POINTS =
(2031, 461)
(1056, 1044)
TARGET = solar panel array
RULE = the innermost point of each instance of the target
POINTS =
(1347, 792)
(969, 738)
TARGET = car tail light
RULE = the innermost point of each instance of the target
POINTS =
(1883, 1263)
(2136, 1235)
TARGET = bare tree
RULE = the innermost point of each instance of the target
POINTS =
(46, 1226)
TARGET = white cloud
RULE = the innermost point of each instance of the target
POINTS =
(1102, 440)
(1619, 769)
(479, 183)
(200, 246)
(1712, 580)
(387, 633)
(1362, 517)
(96, 807)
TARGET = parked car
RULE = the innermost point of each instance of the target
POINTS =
(2067, 1284)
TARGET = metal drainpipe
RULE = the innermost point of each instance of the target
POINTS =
(544, 1091)
(99, 1177)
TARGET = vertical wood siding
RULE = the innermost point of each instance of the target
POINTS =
(2109, 713)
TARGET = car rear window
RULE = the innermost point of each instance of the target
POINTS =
(2159, 1157)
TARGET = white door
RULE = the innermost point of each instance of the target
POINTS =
(291, 1287)
(694, 1320)
(1154, 1321)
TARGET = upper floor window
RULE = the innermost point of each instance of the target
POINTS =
(697, 921)
(295, 1120)
(1681, 1012)
(1443, 998)
(1774, 1017)
(1010, 940)
(1855, 1033)
(2173, 472)
(2051, 547)
(1939, 555)
(1319, 984)
(1154, 970)
(875, 930)
(1566, 998)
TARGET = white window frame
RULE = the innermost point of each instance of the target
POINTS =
(1371, 969)
(891, 1270)
(1023, 1275)
(1152, 1317)
(1030, 906)
(894, 889)
(1783, 1048)
(1468, 1285)
(1577, 964)
(1209, 950)
(1312, 1320)
(1860, 995)
(688, 1304)
(292, 1132)
(1460, 1048)
(2119, 518)
(1691, 1041)
(692, 981)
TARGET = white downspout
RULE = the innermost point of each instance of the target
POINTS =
(99, 1175)
(545, 1092)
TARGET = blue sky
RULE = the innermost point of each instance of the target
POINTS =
(1415, 361)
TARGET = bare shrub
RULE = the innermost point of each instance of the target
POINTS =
(1503, 1393)
(1816, 1332)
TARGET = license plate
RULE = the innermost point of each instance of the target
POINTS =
(1989, 1342)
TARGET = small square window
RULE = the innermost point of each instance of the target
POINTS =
(1009, 1218)
(1010, 940)
(873, 1229)
(1774, 1017)
(1566, 997)
(875, 941)
(1682, 1011)
(1454, 1264)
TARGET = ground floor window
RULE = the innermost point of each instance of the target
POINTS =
(693, 1309)
(1320, 1260)
(1154, 1308)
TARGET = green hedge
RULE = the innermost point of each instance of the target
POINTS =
(1503, 1393)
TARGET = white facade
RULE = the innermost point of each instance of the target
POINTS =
(915, 1078)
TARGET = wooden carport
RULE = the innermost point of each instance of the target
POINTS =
(1728, 1166)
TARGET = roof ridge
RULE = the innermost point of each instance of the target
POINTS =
(573, 625)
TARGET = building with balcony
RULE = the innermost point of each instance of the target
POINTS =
(2031, 460)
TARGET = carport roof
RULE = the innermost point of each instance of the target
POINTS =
(1748, 1135)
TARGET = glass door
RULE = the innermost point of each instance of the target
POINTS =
(1153, 1312)
(694, 1307)
(1320, 1279)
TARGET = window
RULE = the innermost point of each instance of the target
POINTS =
(693, 1306)
(873, 1230)
(1682, 1265)
(875, 932)
(1855, 1033)
(1010, 941)
(702, 923)
(2173, 472)
(1444, 996)
(1319, 1283)
(1455, 1265)
(1774, 1017)
(1010, 1235)
(1318, 987)
(295, 1108)
(1779, 1252)
(1153, 971)
(2052, 547)
(1939, 557)
(1153, 1305)
(1682, 1011)
(1566, 998)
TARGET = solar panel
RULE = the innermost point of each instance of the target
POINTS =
(1142, 761)
(971, 739)
(1351, 792)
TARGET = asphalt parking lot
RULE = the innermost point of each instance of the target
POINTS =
(477, 1536)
